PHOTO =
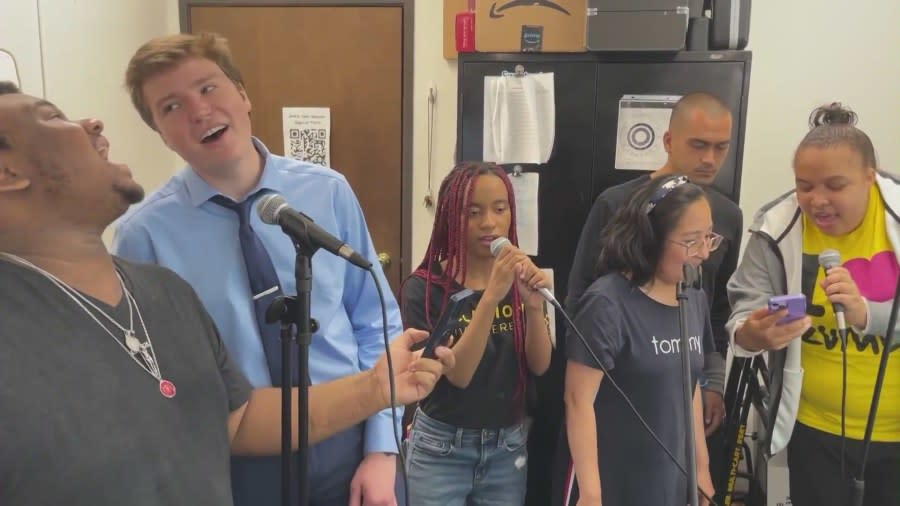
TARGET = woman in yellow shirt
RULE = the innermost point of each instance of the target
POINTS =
(840, 202)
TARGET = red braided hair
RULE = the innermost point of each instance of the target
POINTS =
(449, 243)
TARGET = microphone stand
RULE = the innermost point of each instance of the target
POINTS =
(294, 313)
(858, 485)
(690, 276)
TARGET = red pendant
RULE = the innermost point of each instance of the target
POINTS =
(167, 388)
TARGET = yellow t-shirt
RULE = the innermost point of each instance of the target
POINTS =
(867, 254)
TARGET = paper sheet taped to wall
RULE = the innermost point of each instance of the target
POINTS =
(643, 119)
(307, 134)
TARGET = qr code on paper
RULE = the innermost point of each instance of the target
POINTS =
(309, 145)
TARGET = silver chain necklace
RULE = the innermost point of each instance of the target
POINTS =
(130, 342)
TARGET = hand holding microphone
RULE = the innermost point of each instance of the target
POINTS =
(503, 272)
(842, 292)
(532, 281)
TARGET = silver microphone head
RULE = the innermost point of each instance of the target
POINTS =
(268, 207)
(829, 258)
(498, 244)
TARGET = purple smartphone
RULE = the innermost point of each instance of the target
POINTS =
(795, 304)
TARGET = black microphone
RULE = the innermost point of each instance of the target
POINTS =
(827, 259)
(274, 210)
(498, 244)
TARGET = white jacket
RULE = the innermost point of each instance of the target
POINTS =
(772, 265)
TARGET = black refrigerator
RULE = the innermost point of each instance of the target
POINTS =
(588, 88)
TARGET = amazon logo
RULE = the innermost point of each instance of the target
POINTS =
(497, 12)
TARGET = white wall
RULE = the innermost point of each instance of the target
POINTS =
(804, 55)
(430, 67)
(19, 35)
(84, 46)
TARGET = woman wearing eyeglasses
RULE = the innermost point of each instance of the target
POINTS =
(629, 317)
(840, 202)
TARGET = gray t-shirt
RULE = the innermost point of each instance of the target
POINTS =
(638, 341)
(83, 424)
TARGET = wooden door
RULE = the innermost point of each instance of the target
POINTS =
(347, 58)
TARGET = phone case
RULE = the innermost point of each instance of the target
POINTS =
(442, 328)
(795, 304)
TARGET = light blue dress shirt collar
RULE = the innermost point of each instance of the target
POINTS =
(199, 191)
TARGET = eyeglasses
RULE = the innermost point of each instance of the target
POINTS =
(712, 241)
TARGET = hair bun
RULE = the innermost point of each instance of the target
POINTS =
(832, 114)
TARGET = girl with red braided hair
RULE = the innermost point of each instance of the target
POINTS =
(467, 441)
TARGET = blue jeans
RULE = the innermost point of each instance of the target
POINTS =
(448, 466)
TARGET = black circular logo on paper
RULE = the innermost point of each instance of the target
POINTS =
(641, 136)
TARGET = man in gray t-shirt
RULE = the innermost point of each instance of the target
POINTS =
(86, 406)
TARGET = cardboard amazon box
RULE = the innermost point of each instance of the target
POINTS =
(544, 26)
(512, 26)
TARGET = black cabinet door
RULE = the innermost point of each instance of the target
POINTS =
(588, 87)
(724, 79)
(565, 192)
(564, 198)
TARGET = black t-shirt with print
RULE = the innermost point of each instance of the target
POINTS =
(638, 341)
(487, 403)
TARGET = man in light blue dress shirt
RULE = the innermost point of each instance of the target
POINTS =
(188, 90)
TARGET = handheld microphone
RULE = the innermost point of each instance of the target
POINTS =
(498, 244)
(827, 259)
(274, 210)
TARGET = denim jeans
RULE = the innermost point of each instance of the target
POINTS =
(449, 466)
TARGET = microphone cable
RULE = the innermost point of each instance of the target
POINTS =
(828, 259)
(393, 386)
(844, 334)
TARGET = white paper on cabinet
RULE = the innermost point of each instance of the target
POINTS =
(519, 118)
(525, 190)
(643, 120)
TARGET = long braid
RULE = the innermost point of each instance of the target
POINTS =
(518, 314)
(449, 243)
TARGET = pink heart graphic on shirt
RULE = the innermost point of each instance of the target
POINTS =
(876, 278)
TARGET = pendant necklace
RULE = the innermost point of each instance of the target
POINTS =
(142, 353)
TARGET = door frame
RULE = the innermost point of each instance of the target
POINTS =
(406, 102)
